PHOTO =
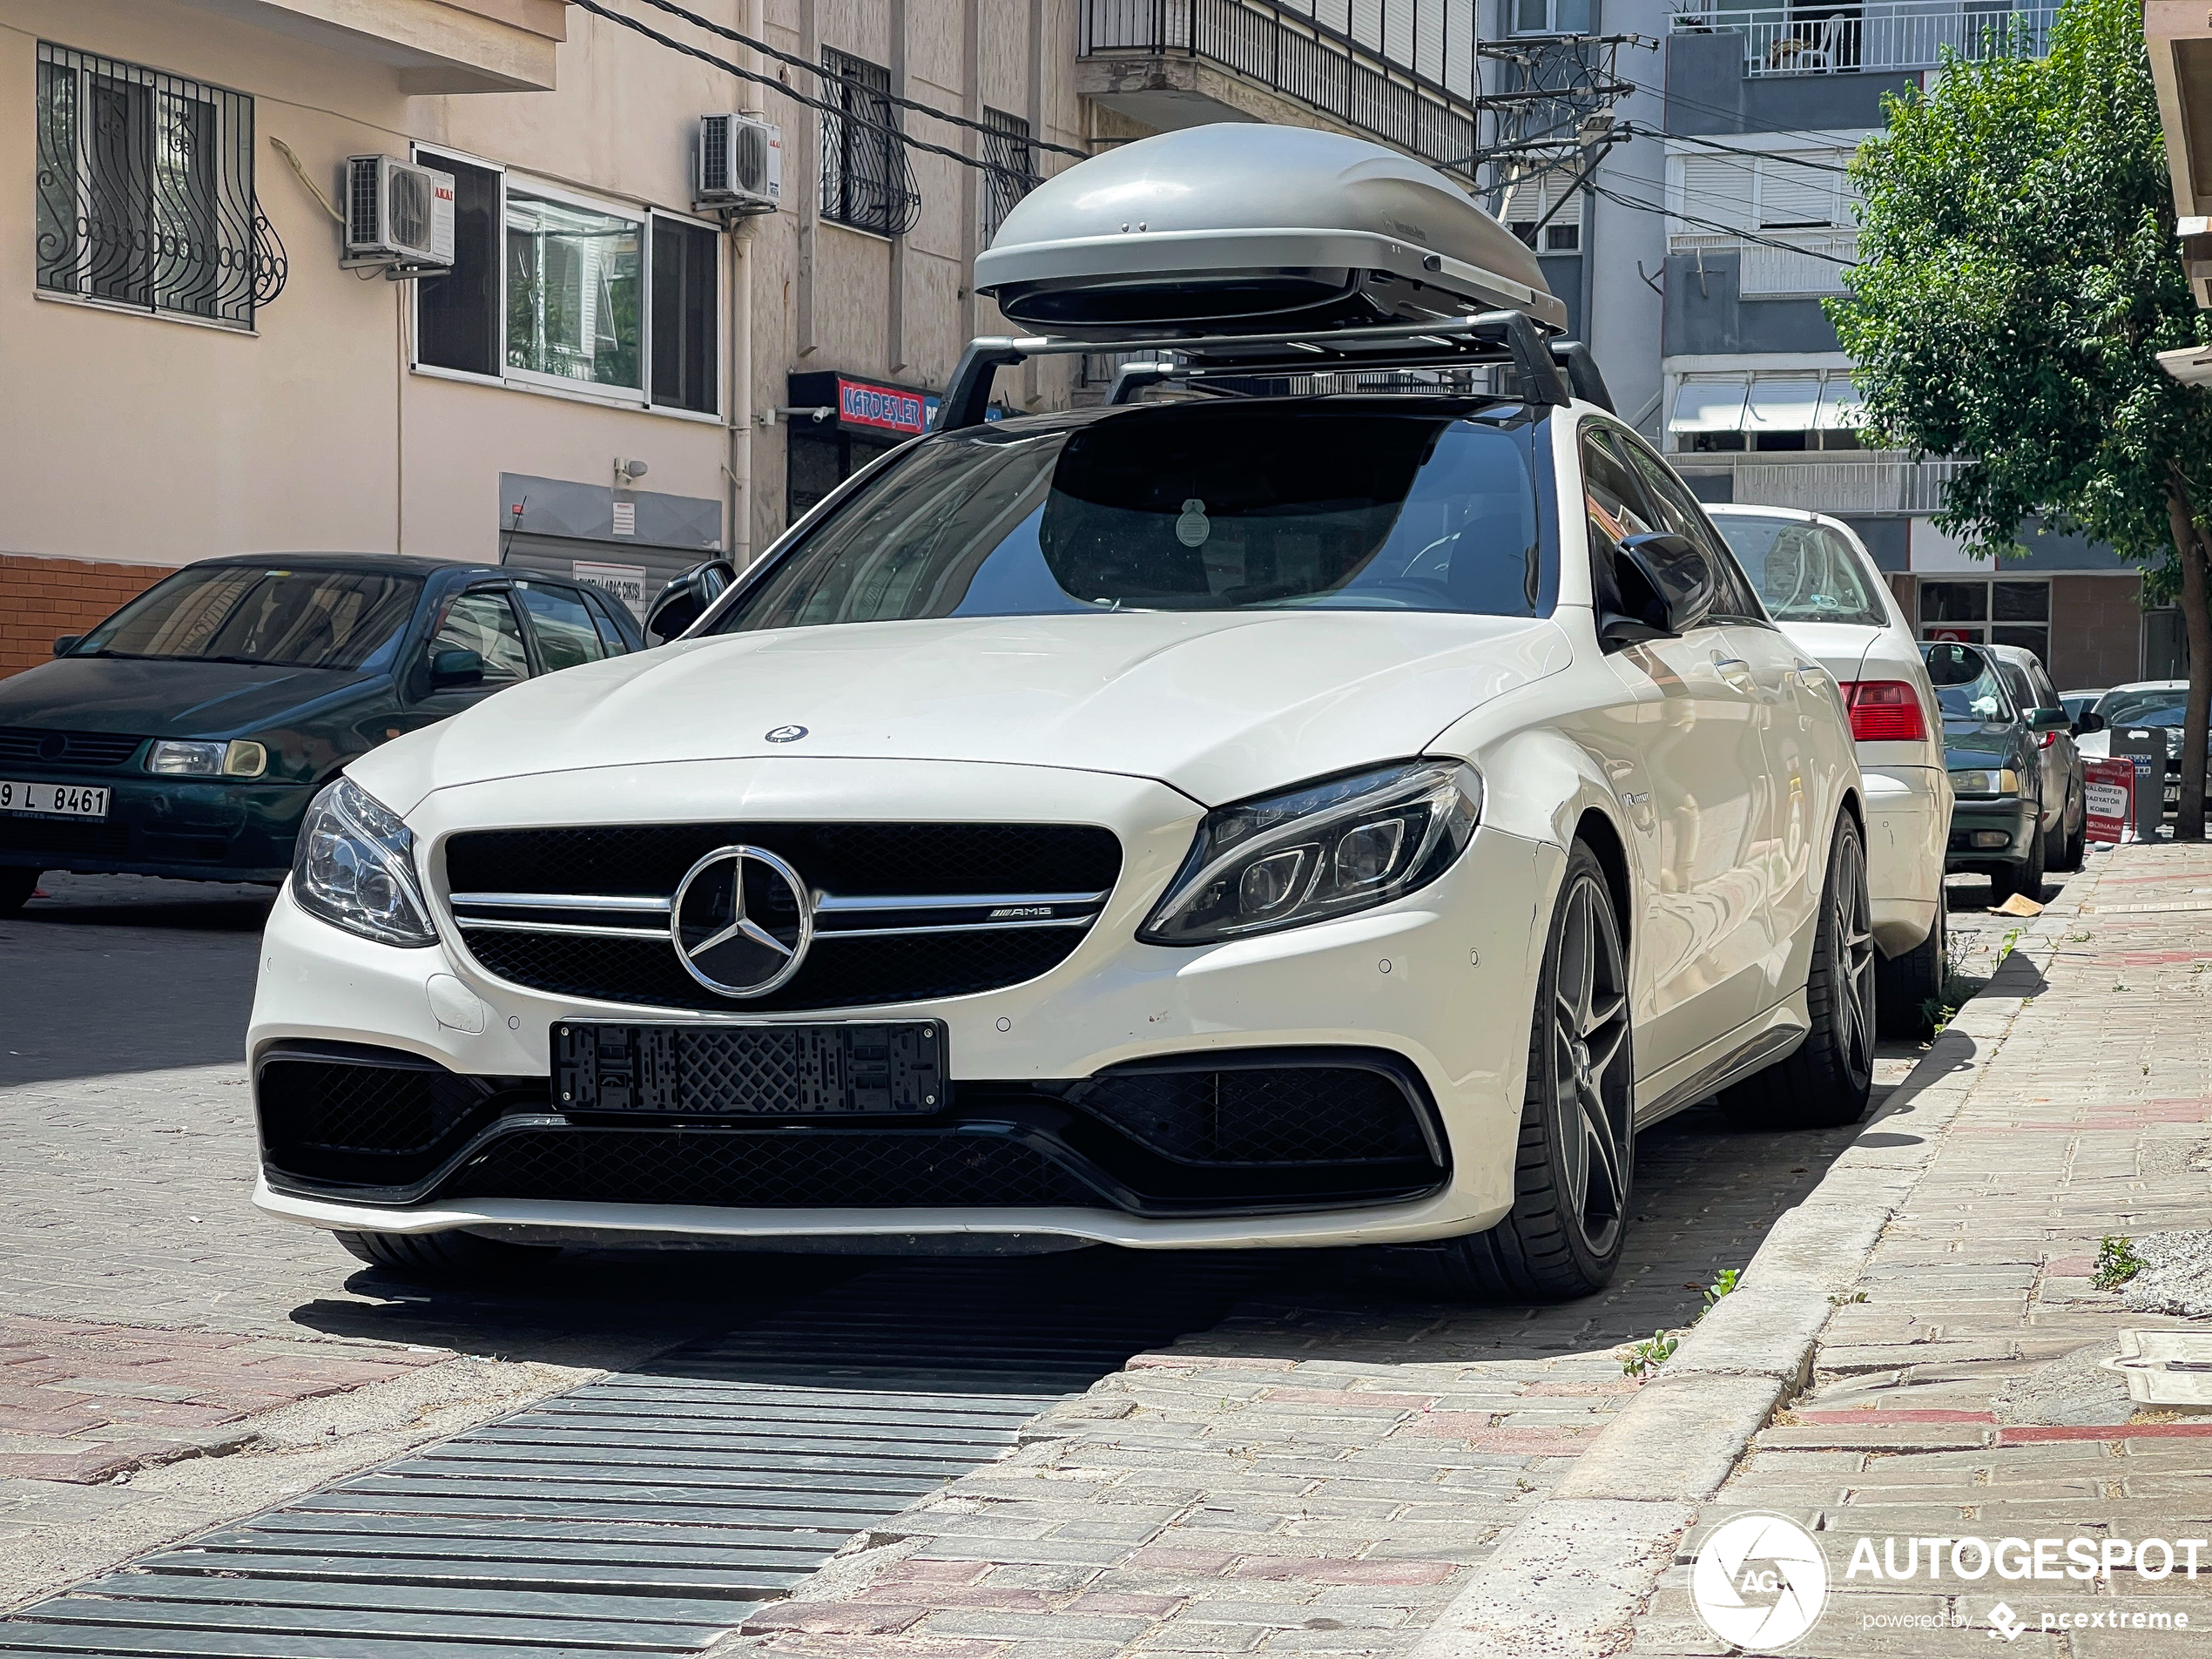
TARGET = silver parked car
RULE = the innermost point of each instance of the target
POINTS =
(2065, 812)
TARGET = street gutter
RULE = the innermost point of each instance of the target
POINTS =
(1570, 1581)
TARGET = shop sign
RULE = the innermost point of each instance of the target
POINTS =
(2109, 787)
(881, 407)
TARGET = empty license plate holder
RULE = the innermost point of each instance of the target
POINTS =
(855, 1069)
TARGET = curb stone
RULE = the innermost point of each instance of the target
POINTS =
(1568, 1579)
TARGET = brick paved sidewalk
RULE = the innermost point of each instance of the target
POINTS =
(1963, 1396)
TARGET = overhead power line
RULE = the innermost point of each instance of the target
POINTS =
(850, 117)
(1729, 149)
(1715, 227)
(831, 77)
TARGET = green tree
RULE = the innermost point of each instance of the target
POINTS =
(2017, 276)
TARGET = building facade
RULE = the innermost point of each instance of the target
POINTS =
(609, 376)
(1708, 242)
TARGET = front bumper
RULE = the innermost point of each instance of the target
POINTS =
(1976, 823)
(200, 829)
(1437, 984)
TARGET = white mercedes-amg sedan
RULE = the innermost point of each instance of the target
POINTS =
(1247, 822)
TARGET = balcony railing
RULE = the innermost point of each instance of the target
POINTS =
(1876, 37)
(1780, 264)
(1824, 482)
(1296, 55)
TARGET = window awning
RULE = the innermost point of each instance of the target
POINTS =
(1779, 405)
(1839, 406)
(1709, 406)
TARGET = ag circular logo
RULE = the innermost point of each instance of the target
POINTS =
(741, 921)
(1759, 1581)
(787, 734)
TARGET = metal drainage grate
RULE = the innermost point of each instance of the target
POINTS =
(651, 1512)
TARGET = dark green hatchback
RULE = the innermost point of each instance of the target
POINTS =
(184, 735)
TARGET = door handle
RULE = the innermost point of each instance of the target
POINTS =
(1731, 668)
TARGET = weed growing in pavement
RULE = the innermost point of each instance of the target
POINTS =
(1642, 1358)
(1839, 1299)
(2004, 946)
(2117, 1263)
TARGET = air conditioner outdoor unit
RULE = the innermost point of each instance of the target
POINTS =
(398, 215)
(741, 164)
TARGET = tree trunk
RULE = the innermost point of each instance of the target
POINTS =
(2197, 618)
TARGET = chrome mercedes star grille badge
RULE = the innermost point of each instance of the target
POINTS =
(741, 921)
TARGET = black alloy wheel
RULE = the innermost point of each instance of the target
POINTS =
(1575, 1160)
(1827, 1080)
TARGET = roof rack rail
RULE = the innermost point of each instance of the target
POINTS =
(1510, 337)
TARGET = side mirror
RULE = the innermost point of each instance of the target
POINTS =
(456, 668)
(2050, 719)
(684, 600)
(66, 644)
(1667, 585)
(2090, 721)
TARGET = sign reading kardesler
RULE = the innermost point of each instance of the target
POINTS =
(861, 404)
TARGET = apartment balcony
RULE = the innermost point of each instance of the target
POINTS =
(1780, 264)
(435, 45)
(1396, 70)
(1877, 36)
(1872, 481)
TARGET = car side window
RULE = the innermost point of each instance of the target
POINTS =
(1734, 599)
(612, 634)
(483, 622)
(562, 628)
(1617, 507)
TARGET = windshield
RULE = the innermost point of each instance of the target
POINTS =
(1183, 507)
(235, 613)
(1805, 572)
(1966, 685)
(2164, 706)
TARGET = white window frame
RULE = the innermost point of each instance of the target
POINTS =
(542, 385)
(1551, 20)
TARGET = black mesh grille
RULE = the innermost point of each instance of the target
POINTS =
(836, 858)
(769, 1170)
(855, 973)
(1289, 1115)
(66, 748)
(332, 1106)
(64, 837)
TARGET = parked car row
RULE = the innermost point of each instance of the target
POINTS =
(185, 735)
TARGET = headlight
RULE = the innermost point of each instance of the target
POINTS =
(2004, 781)
(355, 868)
(1340, 845)
(238, 759)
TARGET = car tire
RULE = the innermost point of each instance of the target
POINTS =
(1827, 1080)
(16, 887)
(2073, 846)
(447, 1258)
(1575, 1160)
(2026, 877)
(1908, 989)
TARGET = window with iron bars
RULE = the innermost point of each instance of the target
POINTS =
(867, 182)
(1010, 167)
(145, 192)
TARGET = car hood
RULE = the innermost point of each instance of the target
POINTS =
(1976, 742)
(1839, 647)
(1218, 706)
(167, 697)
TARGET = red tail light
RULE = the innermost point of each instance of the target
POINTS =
(1885, 711)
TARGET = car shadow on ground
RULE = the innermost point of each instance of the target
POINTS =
(112, 993)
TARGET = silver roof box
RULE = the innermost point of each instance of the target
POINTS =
(1243, 226)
